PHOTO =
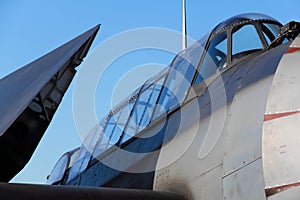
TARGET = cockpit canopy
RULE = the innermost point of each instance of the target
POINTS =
(242, 19)
(235, 39)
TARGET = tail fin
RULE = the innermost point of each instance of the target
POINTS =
(31, 96)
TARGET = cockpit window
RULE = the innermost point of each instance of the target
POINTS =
(58, 171)
(114, 128)
(179, 79)
(270, 31)
(215, 57)
(143, 109)
(245, 41)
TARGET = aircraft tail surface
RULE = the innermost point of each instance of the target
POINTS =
(31, 96)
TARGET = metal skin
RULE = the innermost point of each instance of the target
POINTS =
(233, 168)
(280, 136)
(256, 154)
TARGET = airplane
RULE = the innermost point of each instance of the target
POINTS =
(220, 122)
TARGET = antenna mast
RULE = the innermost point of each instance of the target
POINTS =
(184, 39)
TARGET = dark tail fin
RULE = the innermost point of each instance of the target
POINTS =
(29, 98)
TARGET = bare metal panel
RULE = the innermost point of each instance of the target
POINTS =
(208, 188)
(281, 158)
(190, 174)
(246, 183)
(284, 95)
(281, 139)
(244, 130)
(290, 194)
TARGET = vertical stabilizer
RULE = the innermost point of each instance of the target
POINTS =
(30, 97)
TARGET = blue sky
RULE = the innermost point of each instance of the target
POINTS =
(31, 28)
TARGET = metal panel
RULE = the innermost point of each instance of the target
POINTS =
(243, 139)
(209, 184)
(246, 183)
(179, 166)
(290, 194)
(284, 95)
(281, 140)
(281, 151)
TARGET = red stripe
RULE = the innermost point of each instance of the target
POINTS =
(279, 115)
(293, 49)
(274, 190)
